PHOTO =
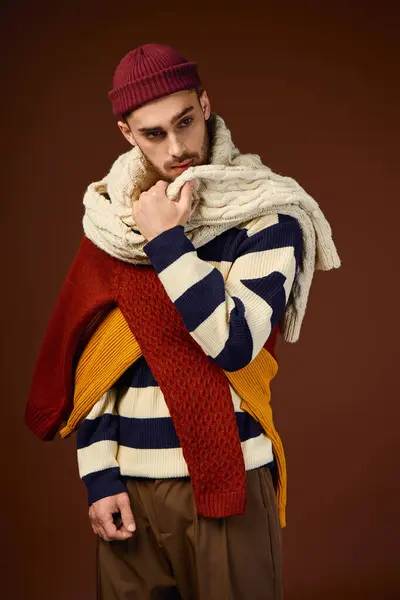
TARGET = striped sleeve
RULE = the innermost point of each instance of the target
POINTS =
(97, 442)
(231, 316)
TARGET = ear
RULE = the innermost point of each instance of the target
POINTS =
(205, 104)
(126, 132)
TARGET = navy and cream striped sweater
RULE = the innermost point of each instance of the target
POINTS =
(230, 293)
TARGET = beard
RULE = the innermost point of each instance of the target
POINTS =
(200, 158)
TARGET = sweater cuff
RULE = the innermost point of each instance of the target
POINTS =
(167, 247)
(103, 483)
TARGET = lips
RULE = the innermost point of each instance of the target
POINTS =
(183, 166)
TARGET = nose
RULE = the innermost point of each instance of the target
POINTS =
(176, 147)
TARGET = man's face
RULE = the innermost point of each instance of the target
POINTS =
(171, 132)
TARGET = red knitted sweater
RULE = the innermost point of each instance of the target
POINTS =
(195, 388)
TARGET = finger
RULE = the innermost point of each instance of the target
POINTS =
(109, 536)
(108, 526)
(102, 534)
(92, 520)
(120, 526)
(110, 530)
(98, 528)
(187, 193)
(161, 184)
(128, 520)
(135, 208)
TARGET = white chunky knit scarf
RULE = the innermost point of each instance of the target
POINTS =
(232, 190)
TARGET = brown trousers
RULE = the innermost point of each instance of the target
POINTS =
(176, 555)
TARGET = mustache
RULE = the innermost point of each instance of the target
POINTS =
(181, 159)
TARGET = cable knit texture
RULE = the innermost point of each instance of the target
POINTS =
(208, 436)
(233, 189)
(113, 346)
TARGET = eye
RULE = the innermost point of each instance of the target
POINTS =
(154, 135)
(186, 122)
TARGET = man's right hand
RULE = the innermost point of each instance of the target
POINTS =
(101, 518)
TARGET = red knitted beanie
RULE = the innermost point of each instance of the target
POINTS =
(150, 72)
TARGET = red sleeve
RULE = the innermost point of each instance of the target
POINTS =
(87, 295)
(271, 341)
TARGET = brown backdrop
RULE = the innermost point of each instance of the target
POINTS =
(312, 87)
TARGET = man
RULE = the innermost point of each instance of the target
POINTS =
(170, 343)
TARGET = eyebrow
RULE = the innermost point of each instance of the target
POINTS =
(174, 119)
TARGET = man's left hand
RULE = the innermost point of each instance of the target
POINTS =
(154, 213)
